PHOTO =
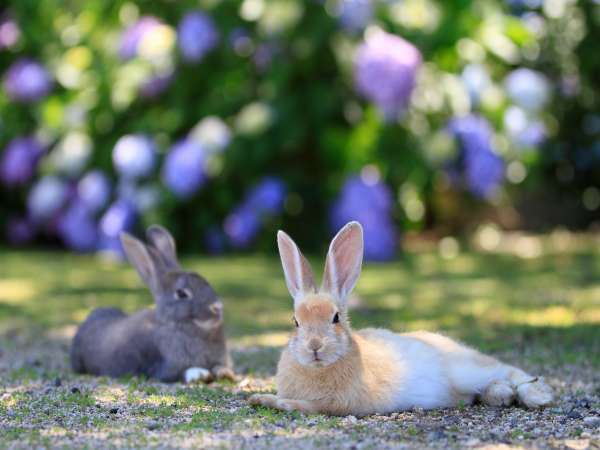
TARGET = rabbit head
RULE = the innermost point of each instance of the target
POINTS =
(179, 294)
(322, 334)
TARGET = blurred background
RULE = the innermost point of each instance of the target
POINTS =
(226, 120)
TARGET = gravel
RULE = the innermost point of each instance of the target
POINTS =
(43, 404)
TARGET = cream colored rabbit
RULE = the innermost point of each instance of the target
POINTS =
(328, 368)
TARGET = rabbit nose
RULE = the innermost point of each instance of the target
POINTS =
(315, 345)
(216, 308)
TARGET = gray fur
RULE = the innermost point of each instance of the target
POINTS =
(162, 342)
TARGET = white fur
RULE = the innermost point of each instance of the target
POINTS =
(194, 374)
(376, 370)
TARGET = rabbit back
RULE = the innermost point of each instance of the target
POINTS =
(111, 343)
(88, 333)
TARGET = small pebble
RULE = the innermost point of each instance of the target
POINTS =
(591, 421)
(152, 425)
(75, 390)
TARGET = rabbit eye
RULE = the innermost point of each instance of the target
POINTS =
(336, 318)
(183, 294)
(296, 322)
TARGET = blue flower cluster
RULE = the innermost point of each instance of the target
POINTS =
(385, 69)
(478, 166)
(197, 35)
(370, 202)
(243, 223)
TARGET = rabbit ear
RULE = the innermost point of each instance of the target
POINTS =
(139, 257)
(344, 261)
(162, 241)
(298, 274)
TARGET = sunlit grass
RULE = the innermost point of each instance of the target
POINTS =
(489, 299)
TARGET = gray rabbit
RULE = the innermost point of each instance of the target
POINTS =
(182, 339)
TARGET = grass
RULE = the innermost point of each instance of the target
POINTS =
(540, 312)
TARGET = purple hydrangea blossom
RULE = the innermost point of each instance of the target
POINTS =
(481, 169)
(197, 35)
(19, 161)
(9, 33)
(20, 231)
(93, 190)
(524, 130)
(240, 41)
(132, 36)
(134, 156)
(183, 171)
(244, 222)
(267, 197)
(241, 227)
(141, 197)
(355, 15)
(27, 81)
(385, 69)
(528, 88)
(120, 216)
(263, 56)
(46, 197)
(156, 85)
(215, 240)
(371, 205)
(77, 228)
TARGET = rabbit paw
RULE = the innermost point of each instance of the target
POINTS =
(499, 393)
(223, 373)
(194, 374)
(535, 393)
(268, 400)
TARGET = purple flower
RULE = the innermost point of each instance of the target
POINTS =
(528, 88)
(385, 70)
(197, 35)
(355, 15)
(240, 41)
(482, 170)
(263, 56)
(77, 228)
(156, 85)
(215, 240)
(132, 36)
(27, 81)
(20, 231)
(9, 33)
(243, 224)
(120, 216)
(241, 227)
(524, 130)
(46, 197)
(267, 197)
(371, 205)
(19, 161)
(134, 156)
(93, 190)
(183, 171)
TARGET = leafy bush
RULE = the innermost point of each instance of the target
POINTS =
(227, 120)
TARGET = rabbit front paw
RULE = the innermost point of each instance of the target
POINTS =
(223, 373)
(268, 400)
(194, 374)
